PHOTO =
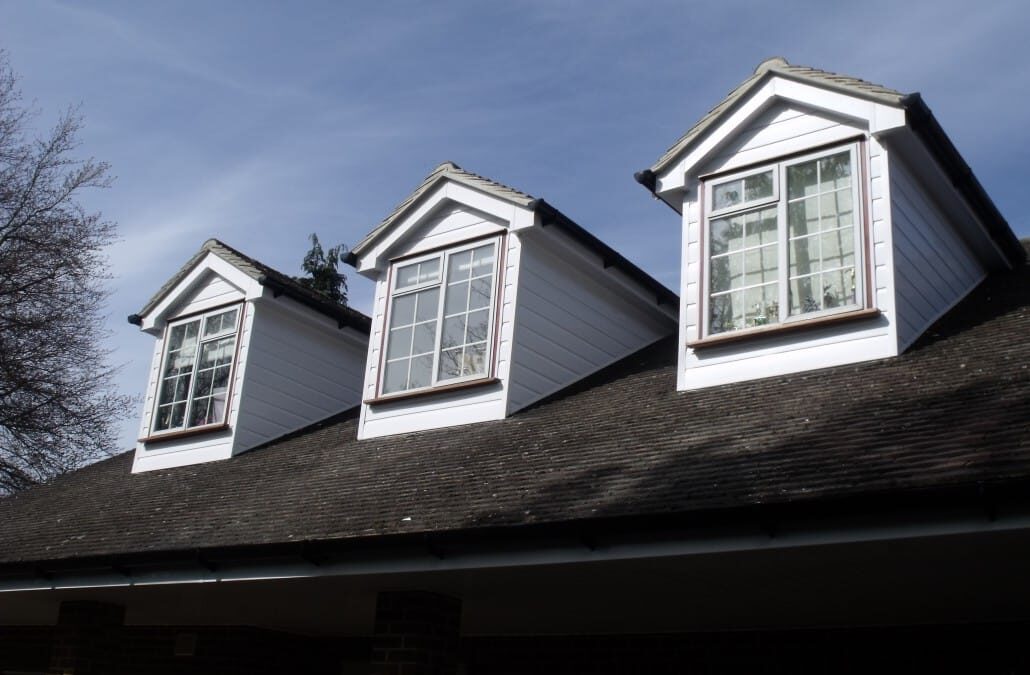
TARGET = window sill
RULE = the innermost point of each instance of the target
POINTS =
(457, 386)
(185, 433)
(777, 329)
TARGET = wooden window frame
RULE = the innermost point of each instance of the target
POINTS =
(862, 308)
(220, 425)
(444, 254)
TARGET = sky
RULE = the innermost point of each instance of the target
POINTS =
(260, 123)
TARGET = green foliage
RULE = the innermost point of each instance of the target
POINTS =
(322, 269)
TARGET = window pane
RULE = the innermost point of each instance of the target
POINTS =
(483, 260)
(428, 304)
(727, 194)
(838, 288)
(453, 331)
(396, 377)
(727, 234)
(177, 416)
(450, 363)
(459, 266)
(835, 208)
(726, 272)
(399, 344)
(760, 227)
(838, 248)
(727, 312)
(200, 412)
(220, 322)
(478, 325)
(805, 295)
(425, 338)
(835, 171)
(429, 270)
(804, 255)
(407, 275)
(421, 370)
(482, 289)
(475, 360)
(203, 386)
(803, 217)
(403, 311)
(802, 180)
(760, 265)
(457, 298)
(761, 305)
(759, 186)
(221, 379)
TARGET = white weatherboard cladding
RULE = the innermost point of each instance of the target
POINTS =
(935, 269)
(572, 321)
(440, 410)
(301, 368)
(796, 351)
(448, 227)
(214, 291)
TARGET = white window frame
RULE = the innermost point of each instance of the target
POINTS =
(201, 317)
(780, 198)
(444, 256)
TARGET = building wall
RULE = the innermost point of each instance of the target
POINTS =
(785, 129)
(934, 267)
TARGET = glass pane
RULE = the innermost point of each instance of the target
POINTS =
(396, 377)
(403, 310)
(803, 217)
(726, 272)
(838, 248)
(481, 290)
(429, 270)
(838, 288)
(453, 331)
(421, 371)
(802, 180)
(761, 305)
(200, 412)
(425, 338)
(457, 298)
(760, 227)
(167, 389)
(759, 186)
(805, 295)
(213, 324)
(399, 344)
(760, 265)
(835, 171)
(182, 387)
(175, 337)
(407, 275)
(450, 363)
(836, 209)
(459, 266)
(428, 304)
(221, 379)
(727, 312)
(478, 325)
(177, 415)
(203, 386)
(483, 260)
(209, 353)
(726, 195)
(475, 360)
(804, 255)
(163, 418)
(727, 234)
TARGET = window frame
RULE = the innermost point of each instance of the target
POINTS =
(860, 308)
(200, 316)
(443, 254)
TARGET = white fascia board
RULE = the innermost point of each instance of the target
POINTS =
(211, 263)
(373, 263)
(877, 117)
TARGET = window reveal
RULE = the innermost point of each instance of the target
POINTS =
(197, 367)
(440, 324)
(779, 254)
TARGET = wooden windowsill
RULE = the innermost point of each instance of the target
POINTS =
(780, 328)
(185, 433)
(444, 388)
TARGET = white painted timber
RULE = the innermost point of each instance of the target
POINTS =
(934, 268)
(574, 317)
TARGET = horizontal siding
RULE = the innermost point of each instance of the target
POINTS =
(780, 130)
(213, 292)
(298, 372)
(934, 268)
(570, 323)
(452, 226)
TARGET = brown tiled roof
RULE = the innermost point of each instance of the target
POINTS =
(266, 275)
(952, 411)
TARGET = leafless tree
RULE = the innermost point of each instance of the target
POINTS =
(58, 405)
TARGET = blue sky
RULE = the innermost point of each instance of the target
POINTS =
(259, 123)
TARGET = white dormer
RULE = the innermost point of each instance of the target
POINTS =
(244, 354)
(488, 300)
(826, 220)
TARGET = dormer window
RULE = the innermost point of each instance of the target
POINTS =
(783, 242)
(441, 318)
(197, 370)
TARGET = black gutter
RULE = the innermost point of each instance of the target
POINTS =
(345, 316)
(928, 130)
(988, 502)
(610, 257)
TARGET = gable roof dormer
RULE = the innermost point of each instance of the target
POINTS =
(487, 300)
(826, 220)
(244, 354)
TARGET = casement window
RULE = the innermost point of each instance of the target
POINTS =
(196, 371)
(441, 318)
(783, 242)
